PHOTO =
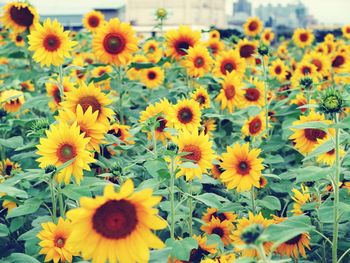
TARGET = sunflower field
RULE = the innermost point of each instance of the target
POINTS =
(182, 147)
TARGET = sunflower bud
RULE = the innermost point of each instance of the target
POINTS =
(161, 13)
(252, 233)
(306, 82)
(263, 50)
(117, 170)
(50, 169)
(331, 101)
(39, 127)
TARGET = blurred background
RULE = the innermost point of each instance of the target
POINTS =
(281, 15)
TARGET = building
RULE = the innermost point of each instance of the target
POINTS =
(242, 10)
(199, 14)
(242, 6)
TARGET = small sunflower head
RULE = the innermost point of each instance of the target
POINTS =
(161, 13)
(306, 82)
(50, 169)
(251, 233)
(331, 101)
(263, 49)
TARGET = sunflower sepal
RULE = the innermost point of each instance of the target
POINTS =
(331, 102)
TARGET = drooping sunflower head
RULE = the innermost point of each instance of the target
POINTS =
(247, 49)
(231, 92)
(186, 115)
(305, 139)
(102, 72)
(300, 198)
(253, 26)
(248, 229)
(242, 167)
(50, 43)
(114, 43)
(89, 96)
(300, 100)
(114, 223)
(152, 77)
(27, 86)
(8, 168)
(216, 169)
(198, 61)
(11, 100)
(19, 16)
(254, 94)
(214, 213)
(54, 241)
(255, 125)
(267, 36)
(197, 149)
(65, 143)
(303, 37)
(208, 126)
(93, 21)
(327, 158)
(221, 228)
(134, 73)
(228, 62)
(216, 46)
(179, 41)
(202, 97)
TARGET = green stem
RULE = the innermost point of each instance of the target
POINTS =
(60, 201)
(261, 251)
(60, 80)
(121, 92)
(53, 199)
(190, 205)
(266, 90)
(172, 199)
(154, 140)
(252, 194)
(336, 194)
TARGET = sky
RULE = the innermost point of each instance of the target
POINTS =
(329, 12)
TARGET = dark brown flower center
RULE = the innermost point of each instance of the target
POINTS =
(161, 124)
(201, 99)
(19, 38)
(314, 134)
(317, 63)
(94, 21)
(115, 219)
(255, 125)
(294, 240)
(86, 102)
(253, 26)
(185, 115)
(199, 62)
(247, 51)
(8, 169)
(66, 152)
(252, 94)
(22, 16)
(227, 66)
(194, 153)
(243, 168)
(278, 70)
(59, 242)
(306, 70)
(181, 47)
(56, 94)
(304, 37)
(114, 43)
(218, 231)
(52, 43)
(338, 61)
(230, 92)
(220, 216)
(151, 75)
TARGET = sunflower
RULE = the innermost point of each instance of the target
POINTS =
(27, 86)
(263, 182)
(327, 158)
(11, 100)
(305, 69)
(300, 100)
(9, 205)
(186, 114)
(282, 50)
(19, 16)
(216, 169)
(202, 250)
(89, 96)
(242, 225)
(306, 139)
(278, 70)
(242, 167)
(198, 61)
(214, 34)
(99, 72)
(346, 31)
(161, 110)
(79, 73)
(202, 97)
(134, 73)
(303, 37)
(255, 126)
(228, 62)
(18, 39)
(216, 46)
(321, 61)
(114, 42)
(253, 26)
(50, 43)
(300, 198)
(8, 168)
(231, 92)
(152, 50)
(93, 21)
(122, 132)
(247, 49)
(209, 125)
(267, 36)
(214, 213)
(55, 241)
(221, 228)
(88, 125)
(340, 62)
(152, 77)
(253, 95)
(117, 226)
(180, 40)
(196, 148)
(65, 143)
(53, 91)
